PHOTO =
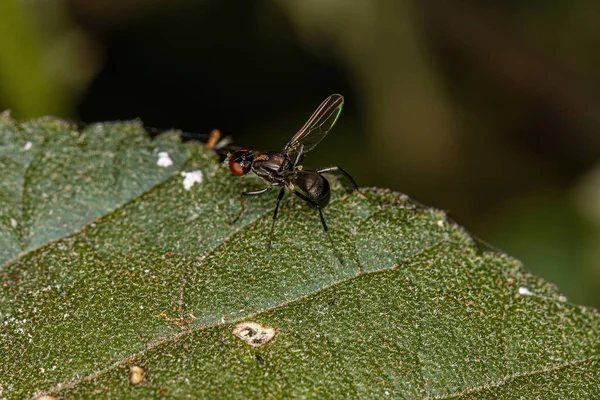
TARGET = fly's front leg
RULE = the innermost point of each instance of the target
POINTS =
(279, 197)
(251, 193)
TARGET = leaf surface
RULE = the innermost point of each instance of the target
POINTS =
(114, 269)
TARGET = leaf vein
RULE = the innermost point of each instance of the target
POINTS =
(26, 174)
(174, 337)
(106, 214)
(509, 378)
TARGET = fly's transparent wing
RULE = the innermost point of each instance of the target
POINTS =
(317, 126)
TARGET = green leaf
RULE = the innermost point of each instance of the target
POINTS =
(121, 278)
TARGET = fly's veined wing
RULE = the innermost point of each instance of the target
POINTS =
(317, 126)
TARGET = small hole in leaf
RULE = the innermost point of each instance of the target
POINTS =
(253, 333)
(136, 375)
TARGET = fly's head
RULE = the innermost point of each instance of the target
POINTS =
(240, 162)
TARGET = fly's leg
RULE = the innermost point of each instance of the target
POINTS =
(251, 193)
(325, 228)
(339, 256)
(279, 197)
(300, 157)
(347, 175)
(213, 139)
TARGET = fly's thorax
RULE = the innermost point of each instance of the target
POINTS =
(270, 165)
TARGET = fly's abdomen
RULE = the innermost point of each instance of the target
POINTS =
(314, 186)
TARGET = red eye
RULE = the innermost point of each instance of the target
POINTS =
(236, 168)
(240, 162)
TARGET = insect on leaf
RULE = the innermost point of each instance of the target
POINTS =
(121, 278)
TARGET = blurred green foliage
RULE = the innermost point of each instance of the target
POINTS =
(25, 84)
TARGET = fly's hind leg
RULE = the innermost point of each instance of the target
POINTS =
(325, 228)
(347, 175)
(251, 193)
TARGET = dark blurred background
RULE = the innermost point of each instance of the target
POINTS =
(487, 109)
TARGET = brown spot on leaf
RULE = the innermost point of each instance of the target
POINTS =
(253, 333)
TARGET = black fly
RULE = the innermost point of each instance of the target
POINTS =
(284, 169)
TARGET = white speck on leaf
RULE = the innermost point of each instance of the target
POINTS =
(164, 160)
(523, 291)
(13, 222)
(189, 178)
(28, 146)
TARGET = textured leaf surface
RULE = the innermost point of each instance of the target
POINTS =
(118, 281)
